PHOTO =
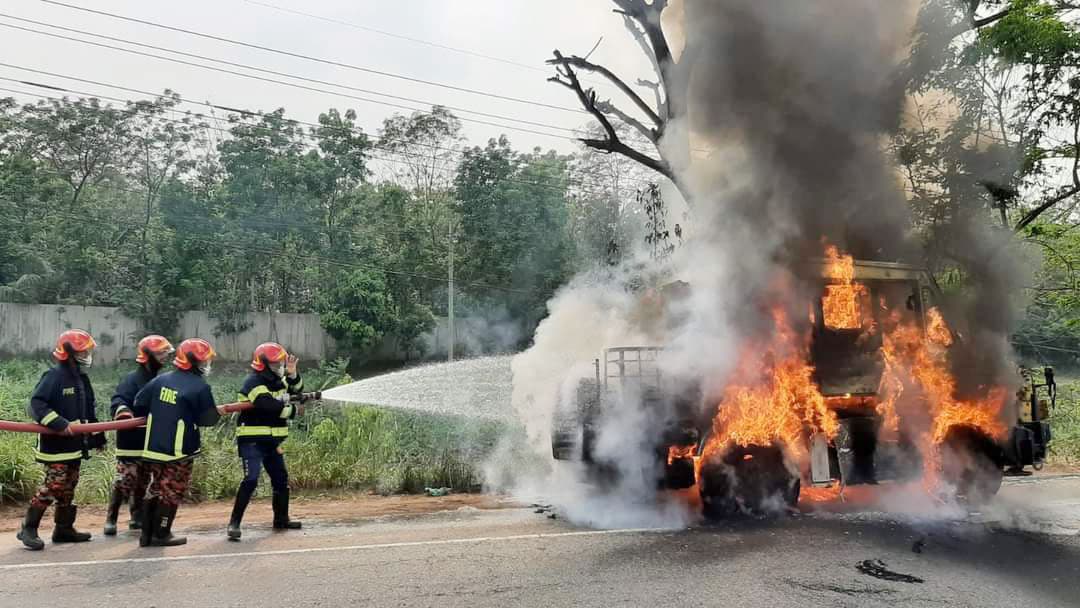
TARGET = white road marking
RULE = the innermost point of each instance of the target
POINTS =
(419, 543)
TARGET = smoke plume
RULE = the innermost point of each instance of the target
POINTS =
(792, 103)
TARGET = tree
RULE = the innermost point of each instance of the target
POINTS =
(517, 250)
(82, 142)
(336, 171)
(996, 115)
(357, 310)
(427, 146)
(653, 121)
(22, 269)
(658, 235)
(161, 150)
(604, 217)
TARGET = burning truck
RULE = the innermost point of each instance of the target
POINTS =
(860, 391)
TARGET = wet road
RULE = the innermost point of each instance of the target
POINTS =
(515, 557)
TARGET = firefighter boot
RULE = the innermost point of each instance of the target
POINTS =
(243, 497)
(149, 515)
(163, 536)
(28, 533)
(65, 532)
(137, 504)
(115, 502)
(281, 512)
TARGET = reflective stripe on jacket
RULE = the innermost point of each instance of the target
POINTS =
(269, 419)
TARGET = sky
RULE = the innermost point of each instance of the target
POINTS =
(516, 36)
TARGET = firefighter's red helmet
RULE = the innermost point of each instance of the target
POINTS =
(193, 351)
(76, 340)
(267, 352)
(153, 345)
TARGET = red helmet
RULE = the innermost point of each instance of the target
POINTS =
(153, 345)
(267, 352)
(193, 351)
(75, 340)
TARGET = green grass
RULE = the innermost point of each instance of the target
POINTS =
(1065, 425)
(329, 448)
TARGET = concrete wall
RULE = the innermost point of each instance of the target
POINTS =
(27, 329)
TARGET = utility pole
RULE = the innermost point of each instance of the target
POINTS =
(450, 293)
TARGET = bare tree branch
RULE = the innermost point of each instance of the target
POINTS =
(649, 33)
(661, 105)
(985, 21)
(568, 78)
(583, 64)
(639, 35)
(609, 108)
(1065, 193)
(648, 15)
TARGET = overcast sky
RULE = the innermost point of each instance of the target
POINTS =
(519, 31)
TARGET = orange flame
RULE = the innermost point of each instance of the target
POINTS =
(773, 399)
(680, 452)
(780, 406)
(918, 359)
(842, 300)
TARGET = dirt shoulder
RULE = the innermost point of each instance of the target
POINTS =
(337, 508)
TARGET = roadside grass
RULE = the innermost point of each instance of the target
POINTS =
(359, 448)
(1065, 425)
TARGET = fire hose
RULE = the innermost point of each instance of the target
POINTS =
(78, 428)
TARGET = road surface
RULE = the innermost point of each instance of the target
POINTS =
(517, 557)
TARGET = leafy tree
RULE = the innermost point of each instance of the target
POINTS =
(517, 249)
(357, 309)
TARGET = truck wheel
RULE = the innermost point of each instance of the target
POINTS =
(972, 463)
(752, 480)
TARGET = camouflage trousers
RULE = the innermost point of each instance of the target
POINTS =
(169, 481)
(132, 478)
(59, 485)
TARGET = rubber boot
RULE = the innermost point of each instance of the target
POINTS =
(65, 531)
(149, 516)
(28, 533)
(243, 497)
(163, 536)
(281, 512)
(115, 502)
(137, 504)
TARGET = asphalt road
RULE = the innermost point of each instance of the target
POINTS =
(516, 557)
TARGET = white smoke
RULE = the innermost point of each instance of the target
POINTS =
(593, 312)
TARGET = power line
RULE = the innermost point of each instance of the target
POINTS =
(412, 39)
(577, 133)
(257, 69)
(300, 86)
(373, 30)
(312, 58)
(460, 154)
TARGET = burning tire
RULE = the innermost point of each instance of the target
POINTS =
(751, 480)
(972, 463)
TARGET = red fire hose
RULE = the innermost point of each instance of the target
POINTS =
(126, 424)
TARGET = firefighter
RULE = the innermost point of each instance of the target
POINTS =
(260, 431)
(63, 398)
(175, 404)
(131, 479)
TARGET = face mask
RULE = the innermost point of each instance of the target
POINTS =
(205, 368)
(85, 358)
(280, 370)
